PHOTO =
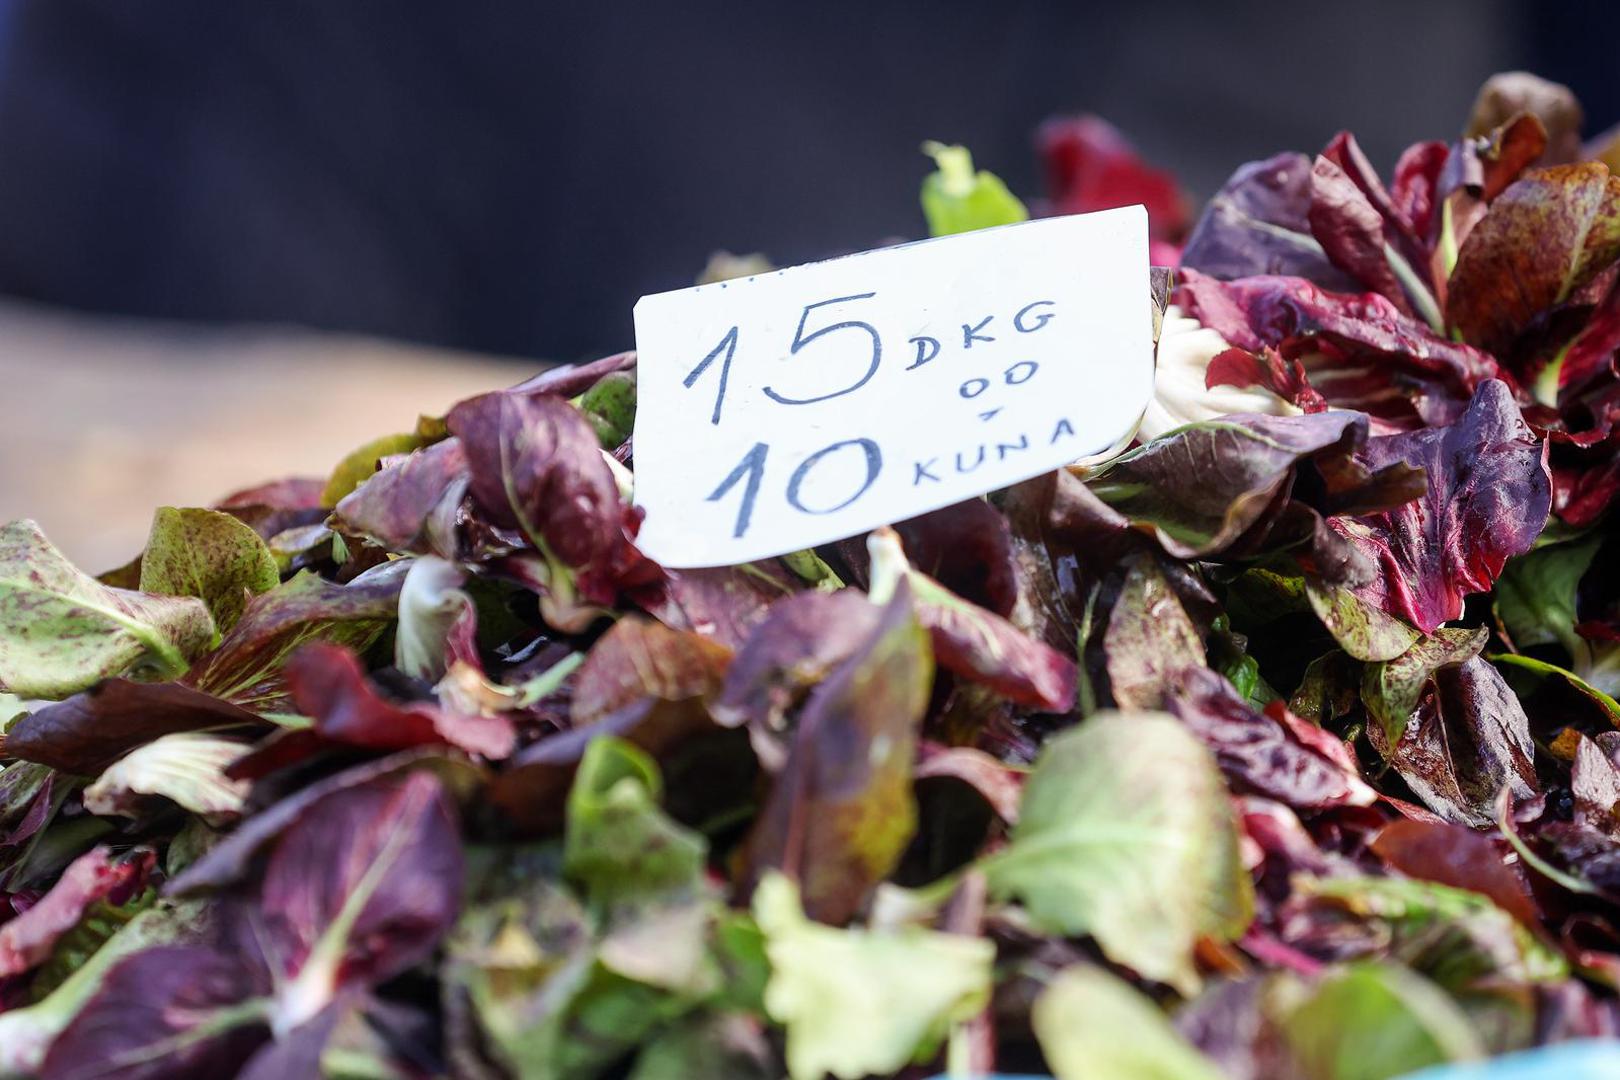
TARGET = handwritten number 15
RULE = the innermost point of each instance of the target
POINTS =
(726, 351)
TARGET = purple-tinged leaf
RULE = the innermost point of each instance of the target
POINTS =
(842, 810)
(640, 659)
(1391, 689)
(1351, 231)
(1258, 224)
(1285, 378)
(1202, 488)
(1266, 754)
(802, 639)
(1468, 740)
(968, 548)
(999, 785)
(411, 504)
(232, 858)
(356, 892)
(246, 669)
(1509, 94)
(1360, 351)
(972, 642)
(723, 603)
(535, 465)
(1459, 857)
(571, 380)
(1488, 497)
(174, 1012)
(1148, 639)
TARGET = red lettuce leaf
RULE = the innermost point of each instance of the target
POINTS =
(1090, 166)
(1460, 857)
(89, 731)
(536, 465)
(802, 639)
(1352, 231)
(1468, 740)
(234, 856)
(724, 603)
(1360, 350)
(1285, 378)
(1236, 487)
(640, 659)
(167, 1013)
(1488, 498)
(27, 940)
(359, 890)
(974, 643)
(571, 380)
(1264, 754)
(327, 683)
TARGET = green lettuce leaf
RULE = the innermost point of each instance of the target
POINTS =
(1095, 1026)
(1126, 833)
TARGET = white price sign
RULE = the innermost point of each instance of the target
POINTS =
(794, 408)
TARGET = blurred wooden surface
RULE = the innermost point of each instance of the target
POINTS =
(106, 419)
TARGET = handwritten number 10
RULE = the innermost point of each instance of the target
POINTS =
(751, 471)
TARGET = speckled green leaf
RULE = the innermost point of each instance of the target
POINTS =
(619, 845)
(62, 630)
(1544, 237)
(1362, 630)
(1391, 689)
(209, 555)
(1535, 596)
(1149, 638)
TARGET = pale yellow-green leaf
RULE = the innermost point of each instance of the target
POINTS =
(1095, 1026)
(861, 1002)
(187, 767)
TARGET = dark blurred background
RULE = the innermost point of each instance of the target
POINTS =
(509, 177)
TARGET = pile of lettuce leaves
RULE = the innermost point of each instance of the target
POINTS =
(1279, 746)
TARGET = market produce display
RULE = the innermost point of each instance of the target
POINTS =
(1282, 744)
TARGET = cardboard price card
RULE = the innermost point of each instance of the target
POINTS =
(794, 408)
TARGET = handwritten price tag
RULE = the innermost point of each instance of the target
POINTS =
(813, 403)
